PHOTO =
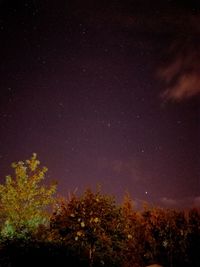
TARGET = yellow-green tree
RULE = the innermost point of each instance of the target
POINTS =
(24, 198)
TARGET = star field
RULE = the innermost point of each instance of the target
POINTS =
(104, 94)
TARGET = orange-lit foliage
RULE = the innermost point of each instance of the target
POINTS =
(134, 242)
(165, 235)
(92, 223)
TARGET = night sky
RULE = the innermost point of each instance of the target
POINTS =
(105, 92)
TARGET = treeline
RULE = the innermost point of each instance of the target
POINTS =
(88, 230)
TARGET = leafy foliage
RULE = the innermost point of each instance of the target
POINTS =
(133, 247)
(23, 200)
(93, 225)
(90, 229)
(165, 236)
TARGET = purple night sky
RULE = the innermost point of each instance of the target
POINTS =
(105, 92)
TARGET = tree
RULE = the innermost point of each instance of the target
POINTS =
(23, 199)
(93, 225)
(193, 237)
(133, 248)
(166, 236)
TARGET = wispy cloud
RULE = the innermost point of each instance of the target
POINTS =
(181, 71)
(182, 76)
(168, 202)
(185, 202)
(196, 201)
(129, 168)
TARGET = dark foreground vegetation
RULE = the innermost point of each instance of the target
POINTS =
(88, 230)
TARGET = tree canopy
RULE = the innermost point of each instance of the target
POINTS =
(24, 199)
(92, 224)
(89, 229)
